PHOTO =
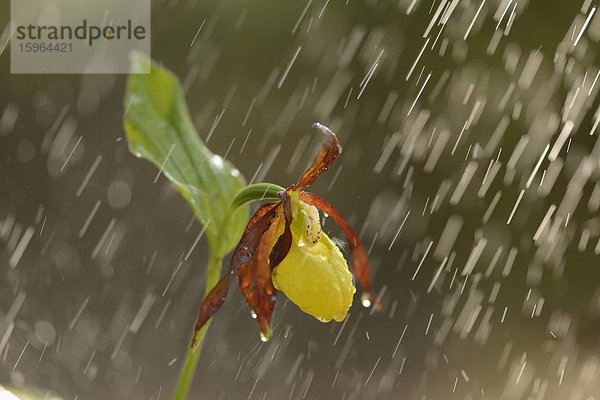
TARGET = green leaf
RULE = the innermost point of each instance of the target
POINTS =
(159, 129)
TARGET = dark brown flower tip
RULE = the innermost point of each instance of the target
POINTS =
(210, 305)
(244, 253)
(360, 263)
(330, 150)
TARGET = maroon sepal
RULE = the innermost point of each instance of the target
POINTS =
(284, 242)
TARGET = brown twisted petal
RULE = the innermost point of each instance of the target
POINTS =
(360, 263)
(254, 278)
(210, 305)
(243, 253)
(330, 150)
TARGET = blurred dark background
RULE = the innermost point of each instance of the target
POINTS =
(473, 307)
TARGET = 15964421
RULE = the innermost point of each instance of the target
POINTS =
(49, 47)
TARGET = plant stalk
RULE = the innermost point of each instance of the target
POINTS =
(186, 375)
(252, 192)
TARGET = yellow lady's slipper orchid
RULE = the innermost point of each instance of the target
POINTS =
(284, 248)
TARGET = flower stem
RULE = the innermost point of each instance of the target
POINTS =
(258, 191)
(186, 375)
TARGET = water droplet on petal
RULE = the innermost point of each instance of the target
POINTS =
(265, 337)
(365, 299)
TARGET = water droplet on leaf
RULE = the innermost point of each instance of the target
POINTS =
(265, 337)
